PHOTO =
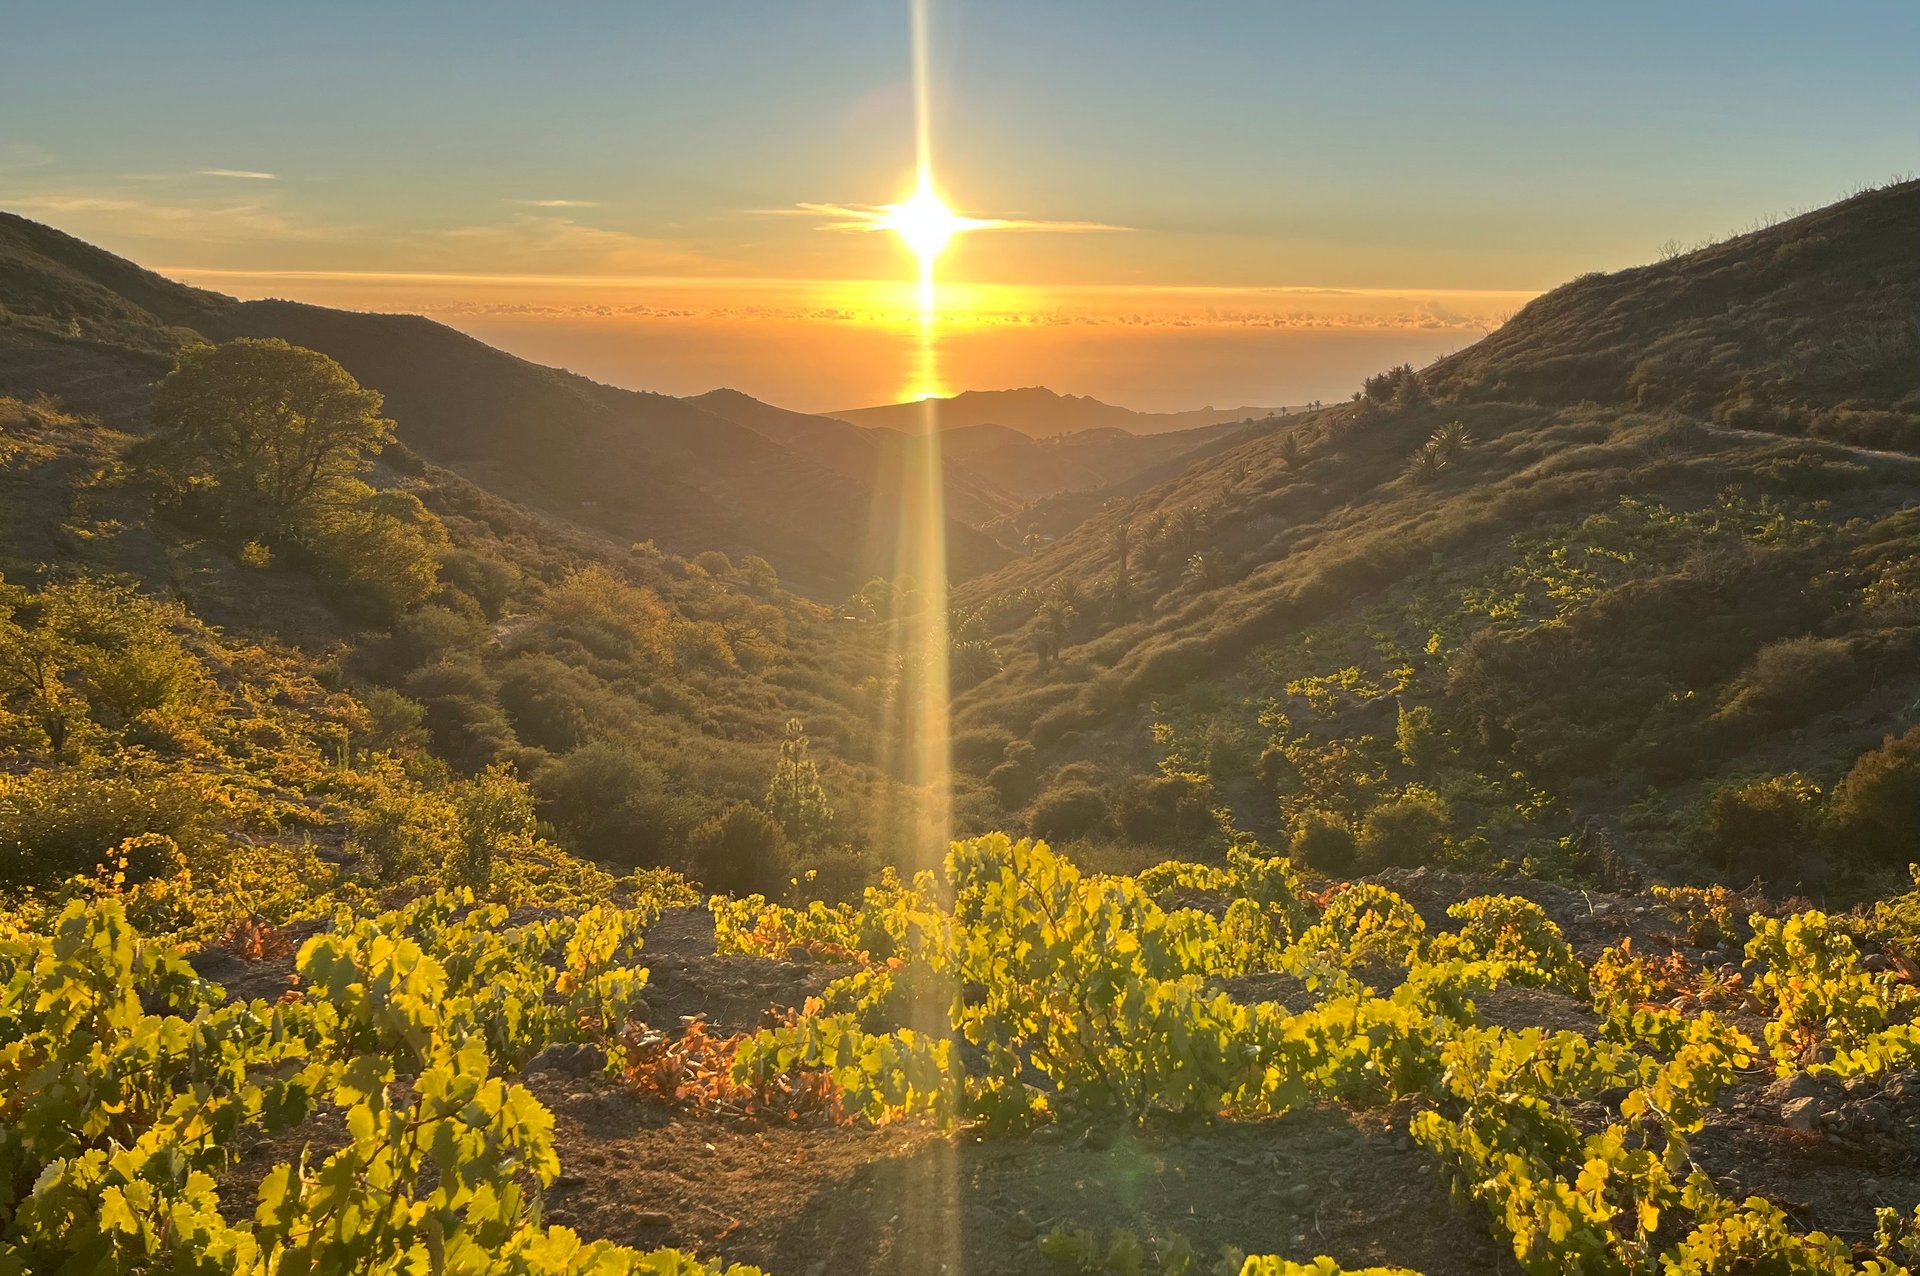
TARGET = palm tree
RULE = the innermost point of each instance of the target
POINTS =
(1055, 618)
(1450, 439)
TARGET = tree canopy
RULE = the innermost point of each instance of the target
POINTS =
(277, 422)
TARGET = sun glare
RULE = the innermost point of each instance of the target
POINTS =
(924, 222)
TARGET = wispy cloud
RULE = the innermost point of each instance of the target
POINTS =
(244, 174)
(556, 203)
(23, 155)
(877, 217)
(204, 222)
(563, 245)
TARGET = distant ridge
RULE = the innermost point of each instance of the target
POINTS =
(1040, 413)
(96, 331)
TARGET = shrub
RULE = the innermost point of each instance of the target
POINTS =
(488, 581)
(1403, 831)
(398, 723)
(432, 633)
(1069, 812)
(607, 802)
(551, 705)
(978, 752)
(381, 548)
(405, 830)
(60, 821)
(1790, 680)
(1764, 827)
(468, 727)
(1014, 783)
(1323, 842)
(495, 813)
(739, 852)
(1169, 810)
(1876, 808)
(1418, 737)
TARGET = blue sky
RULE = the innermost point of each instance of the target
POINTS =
(1482, 146)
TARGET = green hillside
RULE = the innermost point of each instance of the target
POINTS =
(1526, 613)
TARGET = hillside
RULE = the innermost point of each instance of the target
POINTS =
(1811, 326)
(1080, 460)
(94, 331)
(554, 915)
(1040, 412)
(1569, 621)
(874, 458)
(997, 479)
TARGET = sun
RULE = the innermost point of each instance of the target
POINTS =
(924, 222)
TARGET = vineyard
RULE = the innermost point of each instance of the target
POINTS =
(379, 1113)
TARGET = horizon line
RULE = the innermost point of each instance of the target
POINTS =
(628, 281)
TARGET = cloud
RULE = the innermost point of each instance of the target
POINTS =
(562, 245)
(205, 222)
(557, 203)
(876, 217)
(244, 174)
(23, 155)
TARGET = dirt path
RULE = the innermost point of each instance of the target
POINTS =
(1762, 436)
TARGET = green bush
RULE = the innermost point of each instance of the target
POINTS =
(551, 705)
(1166, 810)
(405, 830)
(495, 813)
(1404, 831)
(606, 802)
(1876, 808)
(978, 752)
(1791, 680)
(1763, 828)
(462, 713)
(1017, 778)
(1323, 842)
(488, 581)
(60, 821)
(1070, 812)
(740, 852)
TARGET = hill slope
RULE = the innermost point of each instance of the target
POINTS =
(1040, 412)
(1808, 326)
(96, 330)
(876, 458)
(1574, 600)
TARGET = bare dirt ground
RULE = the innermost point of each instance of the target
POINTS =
(906, 1201)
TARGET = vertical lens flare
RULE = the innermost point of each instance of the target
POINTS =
(925, 224)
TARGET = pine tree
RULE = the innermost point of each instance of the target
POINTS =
(796, 799)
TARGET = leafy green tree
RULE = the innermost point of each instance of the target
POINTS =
(796, 799)
(271, 424)
(276, 437)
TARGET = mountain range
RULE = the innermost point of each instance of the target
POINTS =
(813, 494)
(1040, 412)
